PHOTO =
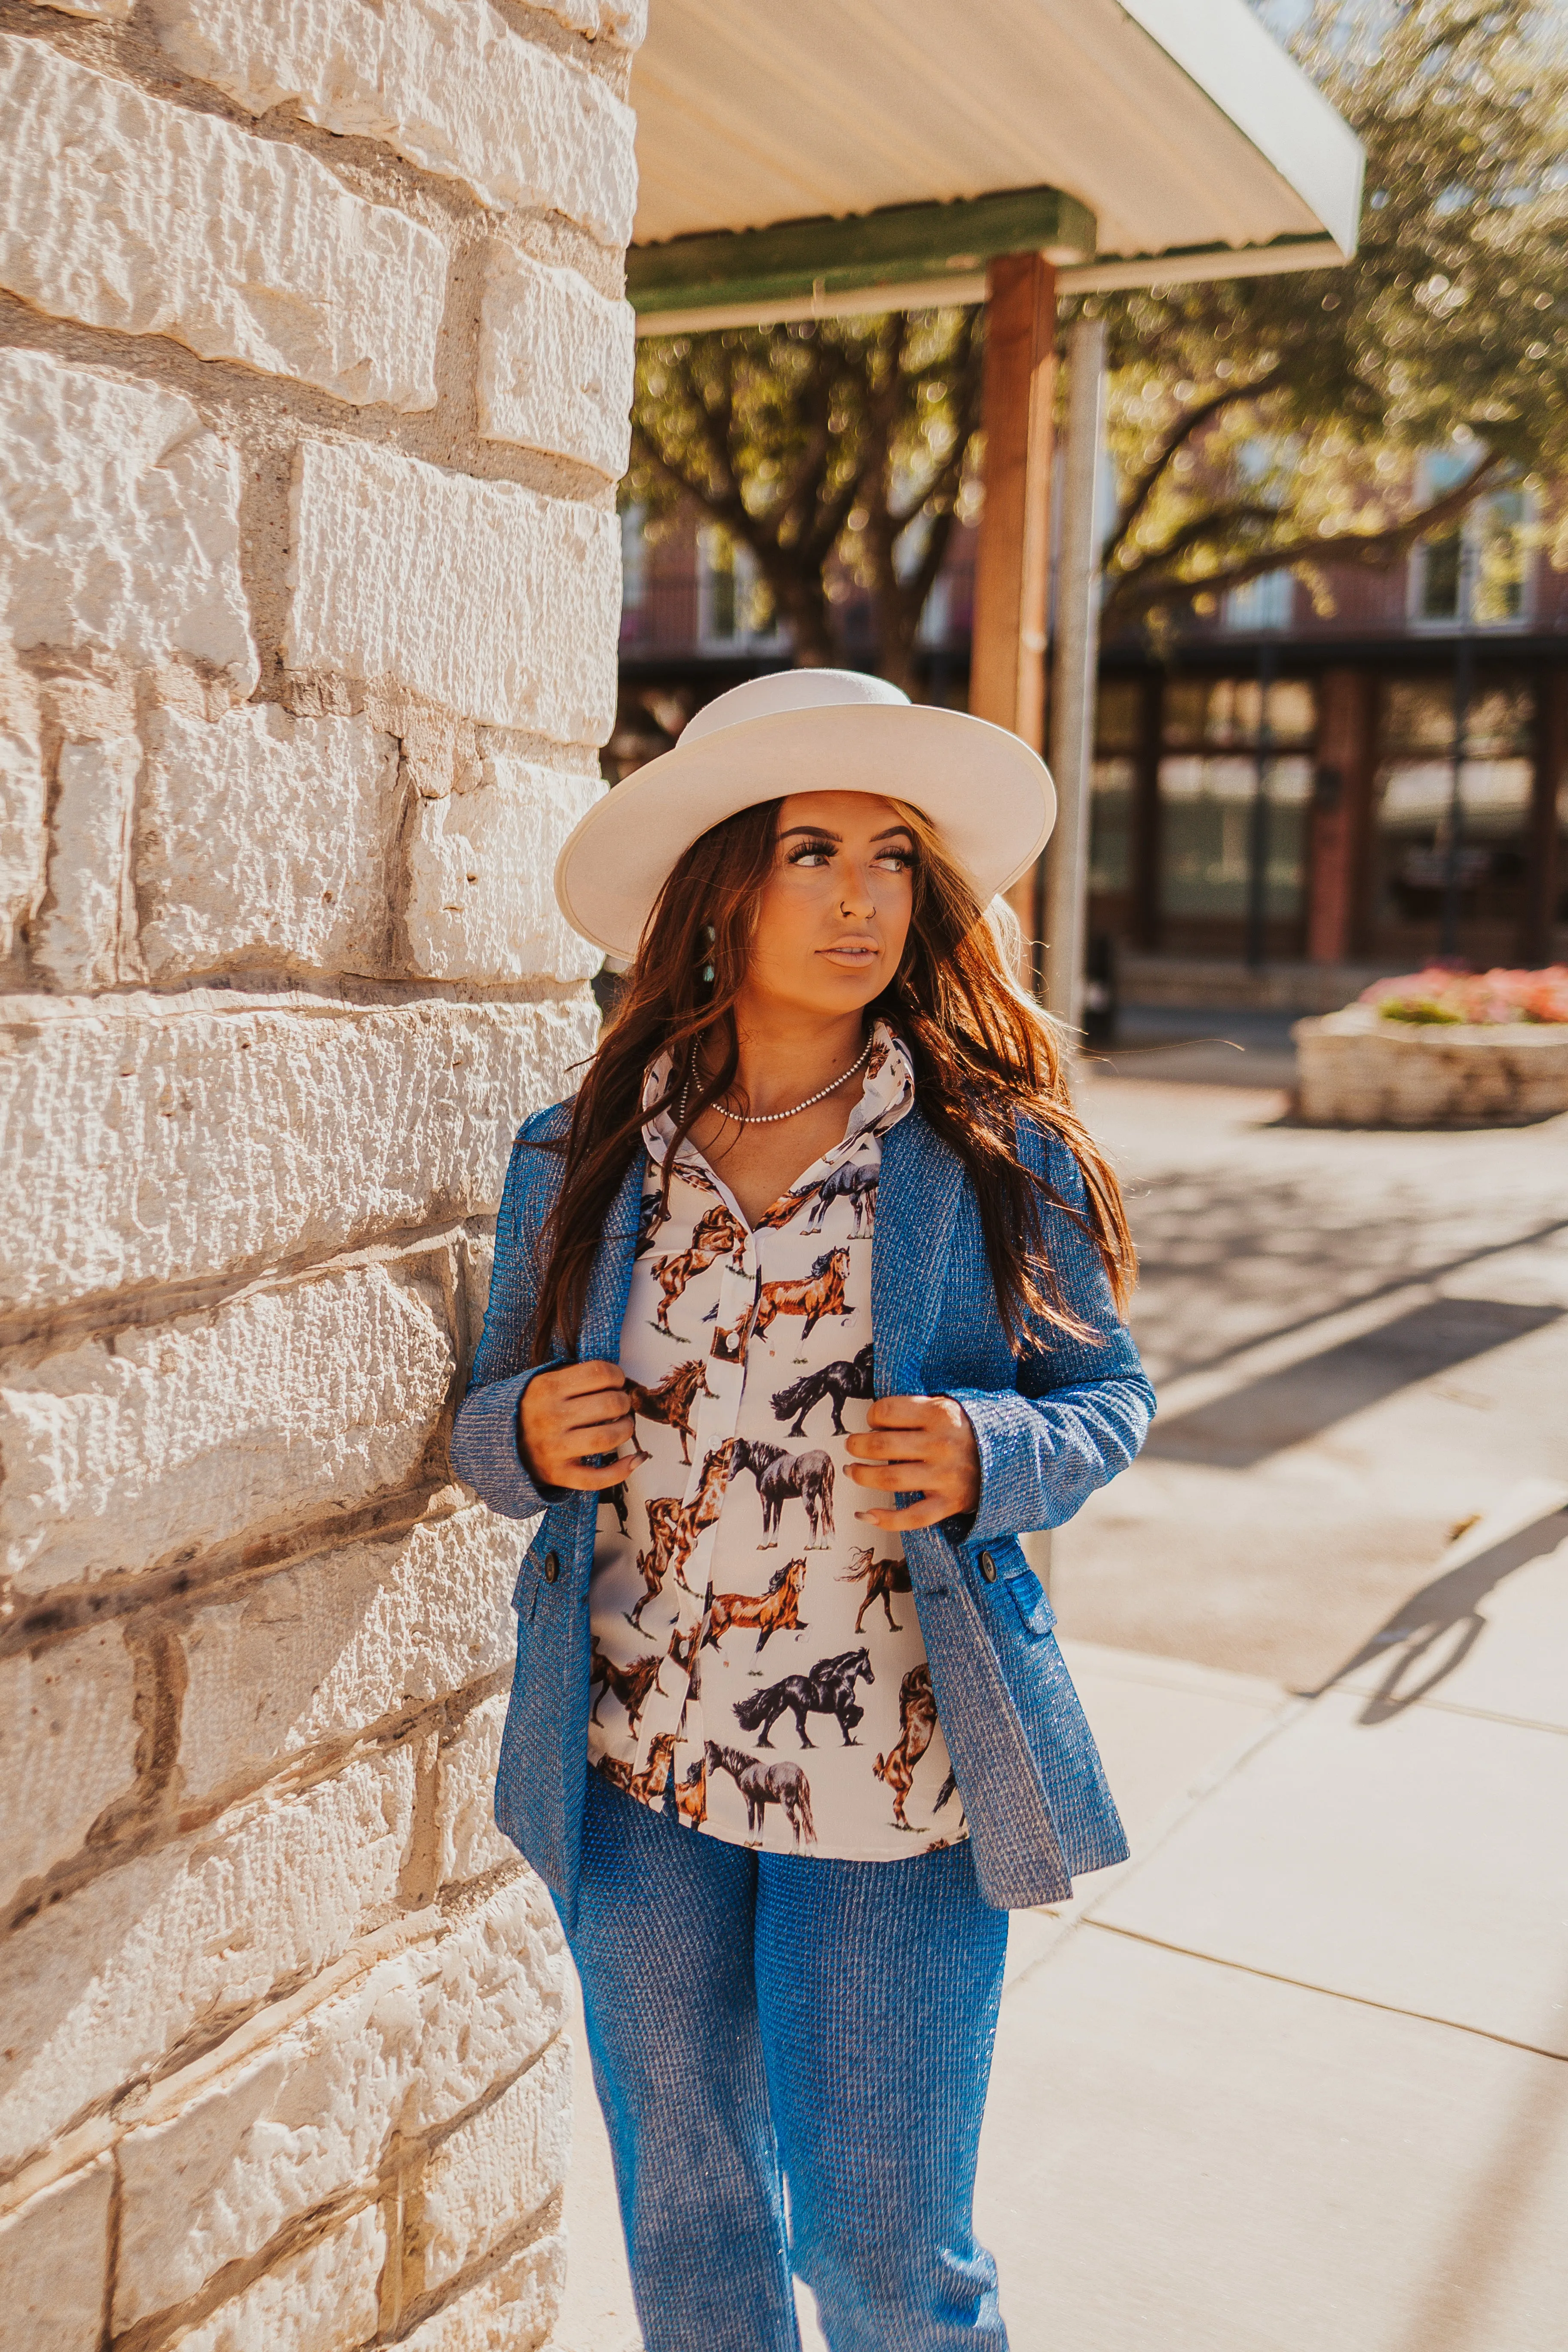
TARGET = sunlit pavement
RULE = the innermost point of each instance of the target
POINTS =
(1294, 2079)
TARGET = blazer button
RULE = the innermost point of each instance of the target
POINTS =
(988, 1568)
(553, 1567)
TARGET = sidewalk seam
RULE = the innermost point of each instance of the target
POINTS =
(1328, 1993)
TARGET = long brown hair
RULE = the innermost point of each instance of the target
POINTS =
(983, 1055)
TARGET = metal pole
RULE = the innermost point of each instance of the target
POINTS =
(1258, 831)
(1074, 675)
(1464, 682)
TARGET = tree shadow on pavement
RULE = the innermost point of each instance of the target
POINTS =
(1285, 1408)
(1440, 1625)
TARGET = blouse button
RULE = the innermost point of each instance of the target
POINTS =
(988, 1568)
(553, 1567)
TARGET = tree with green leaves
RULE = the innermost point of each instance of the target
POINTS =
(1255, 423)
(1270, 422)
(835, 451)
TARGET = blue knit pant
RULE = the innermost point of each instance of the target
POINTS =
(761, 2018)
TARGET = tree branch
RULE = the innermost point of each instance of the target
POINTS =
(1191, 421)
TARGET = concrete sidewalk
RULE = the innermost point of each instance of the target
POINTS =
(1294, 2079)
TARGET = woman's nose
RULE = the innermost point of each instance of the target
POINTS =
(855, 895)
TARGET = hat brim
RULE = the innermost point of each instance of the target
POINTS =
(988, 794)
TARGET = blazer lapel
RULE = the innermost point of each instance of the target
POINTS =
(599, 1341)
(918, 1192)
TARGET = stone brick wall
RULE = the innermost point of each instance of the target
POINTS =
(314, 373)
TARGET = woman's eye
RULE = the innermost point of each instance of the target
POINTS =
(897, 861)
(811, 852)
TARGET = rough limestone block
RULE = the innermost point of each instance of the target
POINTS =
(68, 1748)
(331, 1646)
(497, 601)
(266, 839)
(555, 363)
(112, 11)
(54, 2252)
(447, 83)
(481, 901)
(126, 211)
(513, 2310)
(98, 1988)
(23, 798)
(119, 521)
(623, 23)
(324, 2300)
(470, 1842)
(145, 1139)
(290, 1405)
(418, 2039)
(86, 936)
(486, 2176)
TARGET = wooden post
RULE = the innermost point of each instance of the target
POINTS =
(1344, 733)
(1012, 568)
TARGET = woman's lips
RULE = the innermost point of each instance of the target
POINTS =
(854, 950)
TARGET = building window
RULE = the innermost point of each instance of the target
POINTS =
(1414, 808)
(1217, 759)
(732, 605)
(1266, 602)
(1474, 572)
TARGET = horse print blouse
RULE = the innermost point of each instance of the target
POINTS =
(752, 1645)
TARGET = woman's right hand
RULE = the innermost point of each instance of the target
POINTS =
(564, 1415)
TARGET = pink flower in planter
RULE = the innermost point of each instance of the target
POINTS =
(1439, 996)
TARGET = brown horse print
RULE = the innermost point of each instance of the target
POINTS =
(631, 1685)
(648, 1784)
(674, 1528)
(682, 1650)
(672, 1400)
(828, 1689)
(716, 1234)
(691, 1794)
(882, 1579)
(916, 1727)
(653, 1214)
(730, 1347)
(763, 1785)
(784, 1478)
(776, 1610)
(840, 1382)
(813, 1295)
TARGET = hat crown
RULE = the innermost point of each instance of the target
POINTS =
(789, 689)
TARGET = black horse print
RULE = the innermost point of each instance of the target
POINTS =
(763, 1785)
(828, 1689)
(781, 1477)
(617, 1499)
(838, 1382)
(853, 1182)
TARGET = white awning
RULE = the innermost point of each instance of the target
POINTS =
(1198, 145)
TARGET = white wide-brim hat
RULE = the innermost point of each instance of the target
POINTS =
(805, 731)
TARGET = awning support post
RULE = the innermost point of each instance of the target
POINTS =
(1012, 572)
(1075, 674)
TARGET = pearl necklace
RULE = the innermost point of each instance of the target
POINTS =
(772, 1118)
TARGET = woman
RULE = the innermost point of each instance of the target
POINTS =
(802, 1309)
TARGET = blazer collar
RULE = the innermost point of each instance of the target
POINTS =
(599, 1341)
(918, 1192)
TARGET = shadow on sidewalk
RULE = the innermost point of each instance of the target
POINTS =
(1241, 1429)
(1441, 1625)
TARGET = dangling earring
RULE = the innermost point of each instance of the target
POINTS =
(708, 936)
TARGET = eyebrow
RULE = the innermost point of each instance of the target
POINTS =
(826, 833)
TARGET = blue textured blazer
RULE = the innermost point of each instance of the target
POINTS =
(1053, 1423)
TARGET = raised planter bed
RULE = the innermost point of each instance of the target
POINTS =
(1358, 1068)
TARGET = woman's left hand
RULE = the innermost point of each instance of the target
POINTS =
(918, 1445)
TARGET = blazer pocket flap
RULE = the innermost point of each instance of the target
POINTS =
(1028, 1595)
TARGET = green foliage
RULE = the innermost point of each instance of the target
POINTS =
(1278, 420)
(833, 450)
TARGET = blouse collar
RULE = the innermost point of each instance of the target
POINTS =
(886, 1092)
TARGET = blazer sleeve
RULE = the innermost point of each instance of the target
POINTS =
(485, 1453)
(1081, 1408)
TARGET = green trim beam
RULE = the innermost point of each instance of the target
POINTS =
(902, 244)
